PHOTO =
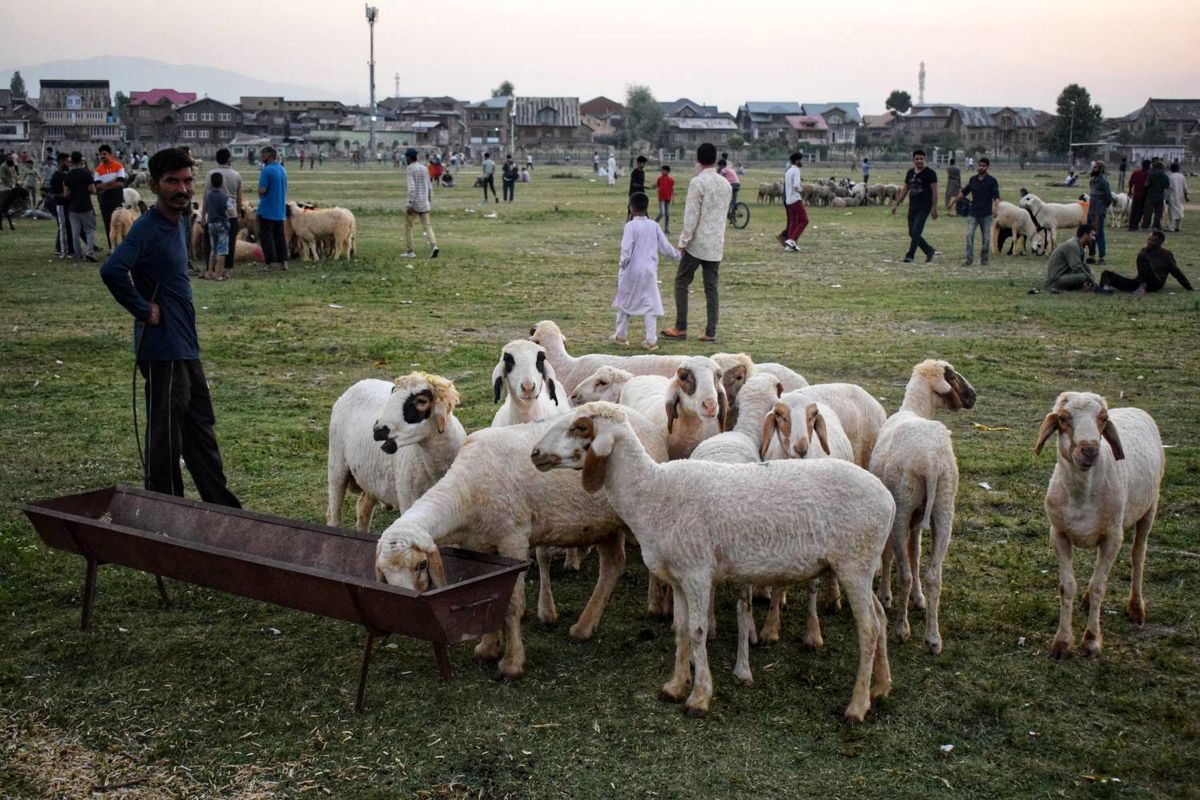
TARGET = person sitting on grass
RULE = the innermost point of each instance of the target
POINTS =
(1067, 270)
(637, 281)
(1154, 264)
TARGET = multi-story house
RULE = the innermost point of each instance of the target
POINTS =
(489, 124)
(843, 120)
(207, 125)
(544, 122)
(152, 120)
(765, 121)
(77, 114)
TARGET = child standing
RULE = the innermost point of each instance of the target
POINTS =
(214, 218)
(666, 193)
(637, 281)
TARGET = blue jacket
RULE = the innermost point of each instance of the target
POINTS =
(151, 264)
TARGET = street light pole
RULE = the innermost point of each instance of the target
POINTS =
(372, 15)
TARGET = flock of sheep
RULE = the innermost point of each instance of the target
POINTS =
(725, 471)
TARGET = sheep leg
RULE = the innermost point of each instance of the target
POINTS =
(917, 598)
(812, 625)
(672, 691)
(866, 620)
(1136, 607)
(512, 664)
(547, 613)
(943, 524)
(881, 675)
(698, 596)
(339, 480)
(885, 576)
(363, 510)
(745, 623)
(833, 597)
(1064, 639)
(770, 629)
(712, 611)
(612, 564)
(904, 574)
(1110, 546)
(574, 559)
(658, 597)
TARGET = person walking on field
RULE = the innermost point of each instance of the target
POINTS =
(508, 178)
(866, 170)
(272, 208)
(953, 180)
(702, 242)
(1137, 194)
(1177, 196)
(920, 187)
(793, 204)
(612, 170)
(637, 280)
(985, 197)
(1100, 197)
(1156, 196)
(110, 186)
(420, 198)
(148, 275)
(666, 195)
(58, 195)
(80, 186)
(489, 177)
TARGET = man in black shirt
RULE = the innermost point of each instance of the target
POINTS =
(920, 187)
(637, 178)
(64, 246)
(1154, 264)
(984, 192)
(81, 185)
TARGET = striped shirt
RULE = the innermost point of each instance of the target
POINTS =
(110, 171)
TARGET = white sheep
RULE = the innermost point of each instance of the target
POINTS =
(1020, 225)
(688, 407)
(860, 414)
(915, 459)
(737, 368)
(333, 226)
(132, 199)
(492, 499)
(571, 371)
(605, 384)
(1052, 216)
(524, 377)
(705, 522)
(1103, 483)
(389, 442)
(1119, 210)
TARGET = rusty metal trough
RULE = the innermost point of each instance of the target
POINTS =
(313, 568)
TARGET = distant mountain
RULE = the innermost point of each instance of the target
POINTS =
(128, 74)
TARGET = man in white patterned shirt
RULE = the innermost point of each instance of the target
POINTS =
(420, 193)
(701, 242)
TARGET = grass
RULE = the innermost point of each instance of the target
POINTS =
(205, 699)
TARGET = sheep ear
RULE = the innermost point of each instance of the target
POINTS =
(1049, 428)
(497, 381)
(550, 385)
(769, 428)
(722, 406)
(440, 412)
(1110, 435)
(778, 389)
(437, 570)
(595, 462)
(672, 405)
(816, 424)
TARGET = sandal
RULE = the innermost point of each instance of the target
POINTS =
(706, 338)
(673, 333)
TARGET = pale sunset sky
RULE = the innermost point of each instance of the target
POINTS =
(1021, 52)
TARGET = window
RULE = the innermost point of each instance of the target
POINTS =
(204, 133)
(189, 133)
(189, 116)
(225, 116)
(207, 116)
(547, 116)
(74, 100)
(226, 133)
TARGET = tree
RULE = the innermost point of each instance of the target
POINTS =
(736, 142)
(17, 84)
(505, 89)
(643, 116)
(121, 105)
(898, 100)
(1078, 120)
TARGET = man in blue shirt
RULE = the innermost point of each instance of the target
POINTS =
(147, 274)
(985, 197)
(272, 208)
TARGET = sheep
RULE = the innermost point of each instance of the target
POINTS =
(132, 199)
(605, 383)
(891, 191)
(527, 380)
(737, 368)
(139, 179)
(1012, 220)
(860, 414)
(122, 220)
(245, 252)
(848, 202)
(1119, 210)
(1098, 489)
(571, 371)
(688, 408)
(369, 425)
(915, 460)
(700, 522)
(1053, 216)
(492, 499)
(770, 192)
(334, 224)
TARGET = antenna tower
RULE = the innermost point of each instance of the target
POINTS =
(397, 94)
(921, 84)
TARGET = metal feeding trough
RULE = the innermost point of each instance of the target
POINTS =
(293, 564)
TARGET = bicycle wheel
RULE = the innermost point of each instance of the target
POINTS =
(741, 215)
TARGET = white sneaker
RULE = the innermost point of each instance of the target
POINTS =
(408, 254)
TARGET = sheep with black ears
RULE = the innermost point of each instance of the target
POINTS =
(526, 380)
(492, 499)
(1103, 483)
(700, 522)
(737, 368)
(571, 370)
(690, 406)
(915, 460)
(389, 442)
(860, 414)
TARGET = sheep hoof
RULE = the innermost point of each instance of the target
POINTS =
(881, 689)
(486, 652)
(766, 639)
(902, 632)
(697, 710)
(548, 619)
(508, 675)
(745, 680)
(935, 646)
(1091, 645)
(814, 643)
(582, 632)
(1136, 612)
(855, 716)
(667, 696)
(1062, 648)
(833, 606)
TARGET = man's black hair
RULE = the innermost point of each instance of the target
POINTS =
(168, 160)
(223, 156)
(1082, 229)
(1159, 235)
(706, 154)
(76, 157)
(218, 180)
(794, 157)
(920, 152)
(638, 201)
(106, 148)
(666, 167)
(641, 159)
(983, 160)
(722, 163)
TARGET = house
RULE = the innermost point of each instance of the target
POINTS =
(683, 107)
(77, 114)
(18, 117)
(152, 120)
(843, 120)
(1169, 121)
(603, 116)
(767, 120)
(687, 133)
(878, 131)
(488, 122)
(809, 129)
(1004, 130)
(544, 122)
(207, 125)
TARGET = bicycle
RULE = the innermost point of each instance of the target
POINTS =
(739, 215)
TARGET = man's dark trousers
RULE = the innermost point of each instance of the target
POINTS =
(916, 226)
(683, 279)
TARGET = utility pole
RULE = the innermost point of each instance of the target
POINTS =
(372, 15)
(397, 94)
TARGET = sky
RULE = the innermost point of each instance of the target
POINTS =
(1018, 53)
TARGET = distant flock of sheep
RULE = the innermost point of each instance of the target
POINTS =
(725, 471)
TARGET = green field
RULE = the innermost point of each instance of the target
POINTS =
(220, 697)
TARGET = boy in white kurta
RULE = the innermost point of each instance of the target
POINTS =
(637, 281)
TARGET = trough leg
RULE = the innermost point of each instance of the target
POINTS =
(362, 673)
(442, 654)
(164, 599)
(89, 594)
